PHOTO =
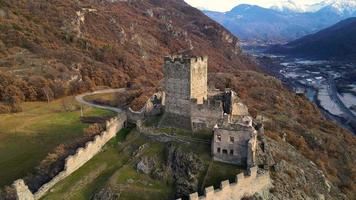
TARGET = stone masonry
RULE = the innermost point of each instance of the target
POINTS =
(235, 143)
(256, 181)
(190, 105)
(185, 80)
(73, 162)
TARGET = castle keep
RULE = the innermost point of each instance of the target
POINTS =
(191, 105)
(185, 80)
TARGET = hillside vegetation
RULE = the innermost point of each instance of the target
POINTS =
(65, 47)
(74, 46)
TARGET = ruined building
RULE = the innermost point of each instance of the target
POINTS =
(191, 105)
(235, 142)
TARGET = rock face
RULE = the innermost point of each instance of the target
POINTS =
(105, 194)
(146, 165)
(185, 168)
(295, 177)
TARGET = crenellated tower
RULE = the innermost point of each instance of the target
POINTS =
(185, 79)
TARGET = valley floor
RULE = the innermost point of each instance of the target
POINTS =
(321, 81)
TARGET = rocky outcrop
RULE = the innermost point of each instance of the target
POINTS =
(146, 165)
(296, 177)
(105, 194)
(185, 168)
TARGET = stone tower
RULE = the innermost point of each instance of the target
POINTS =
(185, 79)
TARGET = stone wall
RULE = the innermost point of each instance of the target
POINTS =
(151, 108)
(206, 115)
(184, 79)
(235, 145)
(258, 181)
(74, 162)
(199, 79)
(177, 85)
(134, 116)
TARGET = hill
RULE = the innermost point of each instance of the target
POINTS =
(65, 47)
(281, 23)
(335, 42)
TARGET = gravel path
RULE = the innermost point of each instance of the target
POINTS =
(80, 99)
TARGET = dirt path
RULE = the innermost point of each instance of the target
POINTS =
(80, 99)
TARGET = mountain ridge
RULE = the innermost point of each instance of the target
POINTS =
(276, 25)
(323, 45)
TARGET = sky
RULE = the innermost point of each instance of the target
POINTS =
(226, 5)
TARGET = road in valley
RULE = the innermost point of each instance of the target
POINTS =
(335, 97)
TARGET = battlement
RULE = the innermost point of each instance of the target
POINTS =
(185, 59)
(244, 186)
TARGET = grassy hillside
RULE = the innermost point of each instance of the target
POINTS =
(115, 168)
(27, 137)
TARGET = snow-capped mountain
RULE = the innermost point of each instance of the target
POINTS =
(289, 6)
(341, 7)
(285, 21)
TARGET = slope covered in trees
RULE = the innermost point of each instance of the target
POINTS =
(60, 47)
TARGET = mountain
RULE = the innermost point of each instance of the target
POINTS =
(289, 6)
(335, 42)
(51, 49)
(254, 23)
(283, 22)
(68, 46)
(341, 7)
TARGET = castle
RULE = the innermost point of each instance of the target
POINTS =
(191, 105)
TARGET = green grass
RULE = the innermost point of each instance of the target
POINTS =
(89, 178)
(114, 166)
(142, 186)
(220, 172)
(27, 137)
(121, 136)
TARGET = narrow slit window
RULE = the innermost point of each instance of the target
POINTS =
(232, 139)
(218, 138)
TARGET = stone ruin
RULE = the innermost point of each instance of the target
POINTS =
(190, 104)
(187, 103)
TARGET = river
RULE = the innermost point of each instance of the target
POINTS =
(316, 79)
